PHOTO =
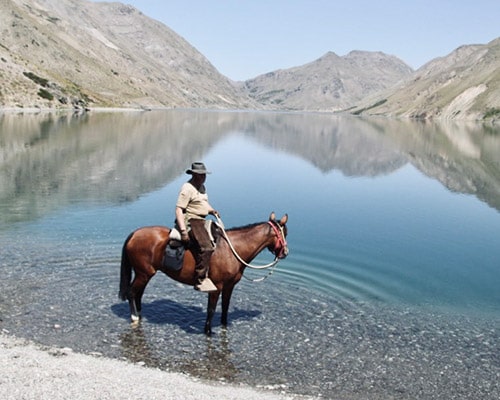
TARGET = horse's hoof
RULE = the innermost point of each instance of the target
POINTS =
(134, 319)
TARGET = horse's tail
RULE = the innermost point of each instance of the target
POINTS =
(125, 272)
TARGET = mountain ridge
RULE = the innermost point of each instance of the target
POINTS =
(465, 84)
(330, 83)
(115, 56)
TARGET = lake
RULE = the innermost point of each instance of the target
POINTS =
(391, 287)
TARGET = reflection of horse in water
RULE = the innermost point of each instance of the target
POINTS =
(211, 361)
(143, 253)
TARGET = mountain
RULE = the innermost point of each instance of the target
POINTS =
(331, 83)
(465, 84)
(62, 52)
(76, 53)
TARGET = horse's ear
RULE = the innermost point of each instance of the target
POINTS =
(284, 220)
(272, 217)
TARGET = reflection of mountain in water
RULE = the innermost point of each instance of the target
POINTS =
(330, 142)
(464, 157)
(47, 161)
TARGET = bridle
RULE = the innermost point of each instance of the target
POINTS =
(280, 247)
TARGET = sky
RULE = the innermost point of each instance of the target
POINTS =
(247, 38)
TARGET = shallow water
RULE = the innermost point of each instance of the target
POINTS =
(390, 289)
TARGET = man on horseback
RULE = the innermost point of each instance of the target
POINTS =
(191, 209)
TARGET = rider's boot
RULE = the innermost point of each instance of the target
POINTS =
(203, 282)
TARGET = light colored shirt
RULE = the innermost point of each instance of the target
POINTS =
(193, 201)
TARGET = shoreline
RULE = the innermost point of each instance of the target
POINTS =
(33, 371)
(48, 110)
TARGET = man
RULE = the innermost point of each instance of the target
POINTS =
(191, 209)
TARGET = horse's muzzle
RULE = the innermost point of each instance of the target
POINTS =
(283, 253)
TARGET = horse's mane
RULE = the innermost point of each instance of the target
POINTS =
(242, 228)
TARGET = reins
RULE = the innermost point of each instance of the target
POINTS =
(270, 265)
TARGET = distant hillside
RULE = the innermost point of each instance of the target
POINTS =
(76, 53)
(59, 52)
(465, 85)
(330, 83)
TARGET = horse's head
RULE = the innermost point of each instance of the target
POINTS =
(279, 246)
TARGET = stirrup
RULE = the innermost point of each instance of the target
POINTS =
(206, 285)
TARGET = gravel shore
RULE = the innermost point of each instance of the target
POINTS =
(30, 371)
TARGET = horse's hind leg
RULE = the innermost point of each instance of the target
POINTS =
(135, 298)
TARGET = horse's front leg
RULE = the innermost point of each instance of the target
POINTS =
(213, 298)
(226, 298)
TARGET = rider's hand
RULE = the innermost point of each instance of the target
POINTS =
(215, 213)
(184, 237)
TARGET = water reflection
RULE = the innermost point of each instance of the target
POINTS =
(216, 363)
(48, 161)
(212, 361)
(136, 349)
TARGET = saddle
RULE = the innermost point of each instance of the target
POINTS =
(175, 249)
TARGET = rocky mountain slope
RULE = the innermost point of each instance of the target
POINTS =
(117, 57)
(57, 52)
(76, 53)
(330, 83)
(465, 84)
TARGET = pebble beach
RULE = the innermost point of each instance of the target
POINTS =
(31, 371)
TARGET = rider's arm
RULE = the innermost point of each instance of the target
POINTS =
(179, 216)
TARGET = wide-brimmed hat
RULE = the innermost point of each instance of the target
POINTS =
(197, 168)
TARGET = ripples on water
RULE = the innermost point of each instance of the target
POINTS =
(340, 275)
(281, 334)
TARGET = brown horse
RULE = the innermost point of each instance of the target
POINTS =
(143, 253)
